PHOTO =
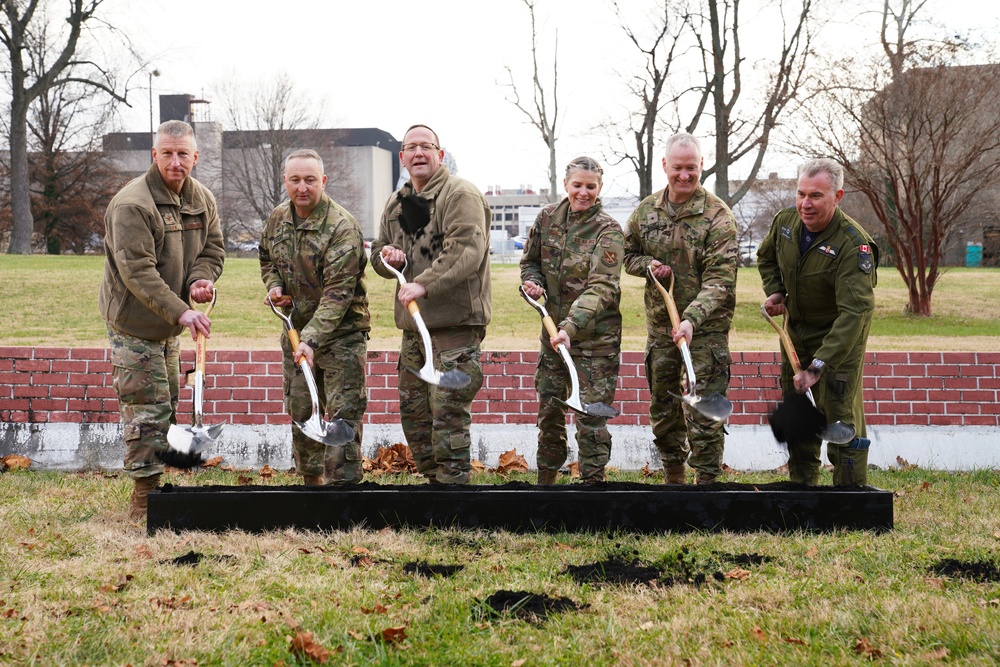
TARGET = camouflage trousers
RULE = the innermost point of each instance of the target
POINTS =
(145, 375)
(839, 396)
(436, 420)
(681, 433)
(598, 378)
(339, 370)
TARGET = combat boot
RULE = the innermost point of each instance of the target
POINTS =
(312, 480)
(546, 477)
(674, 474)
(139, 501)
(702, 478)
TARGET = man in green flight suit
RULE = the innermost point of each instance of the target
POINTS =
(819, 269)
(312, 253)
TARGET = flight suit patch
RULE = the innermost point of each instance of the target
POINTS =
(865, 262)
(786, 232)
(829, 250)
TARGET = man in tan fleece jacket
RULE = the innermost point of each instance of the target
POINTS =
(162, 246)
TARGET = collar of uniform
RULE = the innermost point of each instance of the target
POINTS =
(693, 206)
(315, 219)
(434, 185)
(189, 200)
(577, 217)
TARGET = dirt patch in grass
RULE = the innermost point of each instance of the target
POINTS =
(613, 571)
(981, 572)
(742, 559)
(192, 558)
(425, 569)
(681, 567)
(527, 606)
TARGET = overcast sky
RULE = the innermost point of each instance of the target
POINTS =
(392, 63)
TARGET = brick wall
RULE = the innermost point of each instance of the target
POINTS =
(49, 385)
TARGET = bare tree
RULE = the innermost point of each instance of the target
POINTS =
(72, 180)
(543, 112)
(648, 94)
(743, 125)
(25, 31)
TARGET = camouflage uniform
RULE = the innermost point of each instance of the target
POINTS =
(156, 245)
(577, 258)
(449, 257)
(698, 243)
(320, 263)
(830, 301)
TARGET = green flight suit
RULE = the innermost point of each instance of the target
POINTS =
(830, 301)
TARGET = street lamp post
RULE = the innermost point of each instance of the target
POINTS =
(152, 131)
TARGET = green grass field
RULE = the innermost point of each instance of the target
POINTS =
(82, 586)
(52, 301)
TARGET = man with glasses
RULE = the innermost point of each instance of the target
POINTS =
(435, 230)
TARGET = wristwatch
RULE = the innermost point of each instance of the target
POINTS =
(817, 366)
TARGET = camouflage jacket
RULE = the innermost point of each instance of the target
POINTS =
(829, 290)
(449, 256)
(699, 247)
(321, 265)
(155, 245)
(577, 258)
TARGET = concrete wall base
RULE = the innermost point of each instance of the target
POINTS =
(74, 446)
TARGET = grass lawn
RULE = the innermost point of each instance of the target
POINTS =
(52, 301)
(82, 586)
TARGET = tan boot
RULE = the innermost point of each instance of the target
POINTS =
(705, 479)
(139, 501)
(674, 474)
(312, 480)
(546, 477)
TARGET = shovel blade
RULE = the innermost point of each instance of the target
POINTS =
(332, 434)
(180, 438)
(713, 406)
(838, 433)
(453, 379)
(600, 410)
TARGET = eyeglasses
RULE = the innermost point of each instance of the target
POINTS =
(426, 148)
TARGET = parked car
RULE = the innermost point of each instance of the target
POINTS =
(519, 242)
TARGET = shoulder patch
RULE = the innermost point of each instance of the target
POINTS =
(786, 232)
(610, 258)
(865, 262)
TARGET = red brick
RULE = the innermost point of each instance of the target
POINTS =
(502, 381)
(943, 371)
(513, 394)
(102, 392)
(251, 419)
(268, 407)
(889, 358)
(67, 392)
(382, 369)
(384, 394)
(521, 418)
(231, 356)
(229, 381)
(16, 417)
(65, 417)
(235, 407)
(889, 382)
(32, 366)
(906, 395)
(962, 409)
(102, 367)
(384, 419)
(925, 357)
(253, 395)
(637, 358)
(891, 408)
(488, 419)
(50, 379)
(981, 358)
(759, 357)
(927, 408)
(268, 381)
(886, 395)
(15, 352)
(632, 383)
(69, 366)
(626, 396)
(275, 394)
(90, 353)
(906, 420)
(53, 405)
(24, 391)
(979, 396)
(978, 371)
(51, 353)
(926, 383)
(15, 378)
(743, 420)
(279, 419)
(990, 408)
(945, 420)
(981, 420)
(265, 356)
(216, 369)
(963, 358)
(90, 405)
(106, 418)
(210, 395)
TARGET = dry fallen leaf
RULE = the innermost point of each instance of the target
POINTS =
(144, 552)
(15, 462)
(377, 609)
(478, 466)
(212, 462)
(394, 635)
(356, 635)
(304, 646)
(360, 550)
(812, 552)
(267, 472)
(648, 625)
(120, 586)
(244, 480)
(519, 663)
(758, 634)
(793, 640)
(934, 582)
(574, 469)
(864, 647)
(647, 471)
(738, 573)
(511, 462)
(924, 486)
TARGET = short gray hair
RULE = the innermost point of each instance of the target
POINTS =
(176, 128)
(306, 153)
(824, 165)
(584, 163)
(684, 139)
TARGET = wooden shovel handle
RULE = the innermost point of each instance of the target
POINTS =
(413, 308)
(293, 338)
(199, 358)
(668, 299)
(550, 326)
(786, 342)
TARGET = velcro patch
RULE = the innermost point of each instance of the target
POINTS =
(786, 232)
(829, 250)
(865, 262)
(610, 258)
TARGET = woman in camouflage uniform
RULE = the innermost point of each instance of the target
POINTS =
(573, 257)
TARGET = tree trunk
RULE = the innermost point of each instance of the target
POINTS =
(23, 224)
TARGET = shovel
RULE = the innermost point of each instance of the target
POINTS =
(713, 406)
(336, 433)
(186, 443)
(453, 379)
(573, 402)
(838, 432)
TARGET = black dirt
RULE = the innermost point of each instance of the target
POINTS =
(529, 606)
(613, 571)
(426, 570)
(190, 558)
(980, 572)
(742, 559)
(796, 419)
